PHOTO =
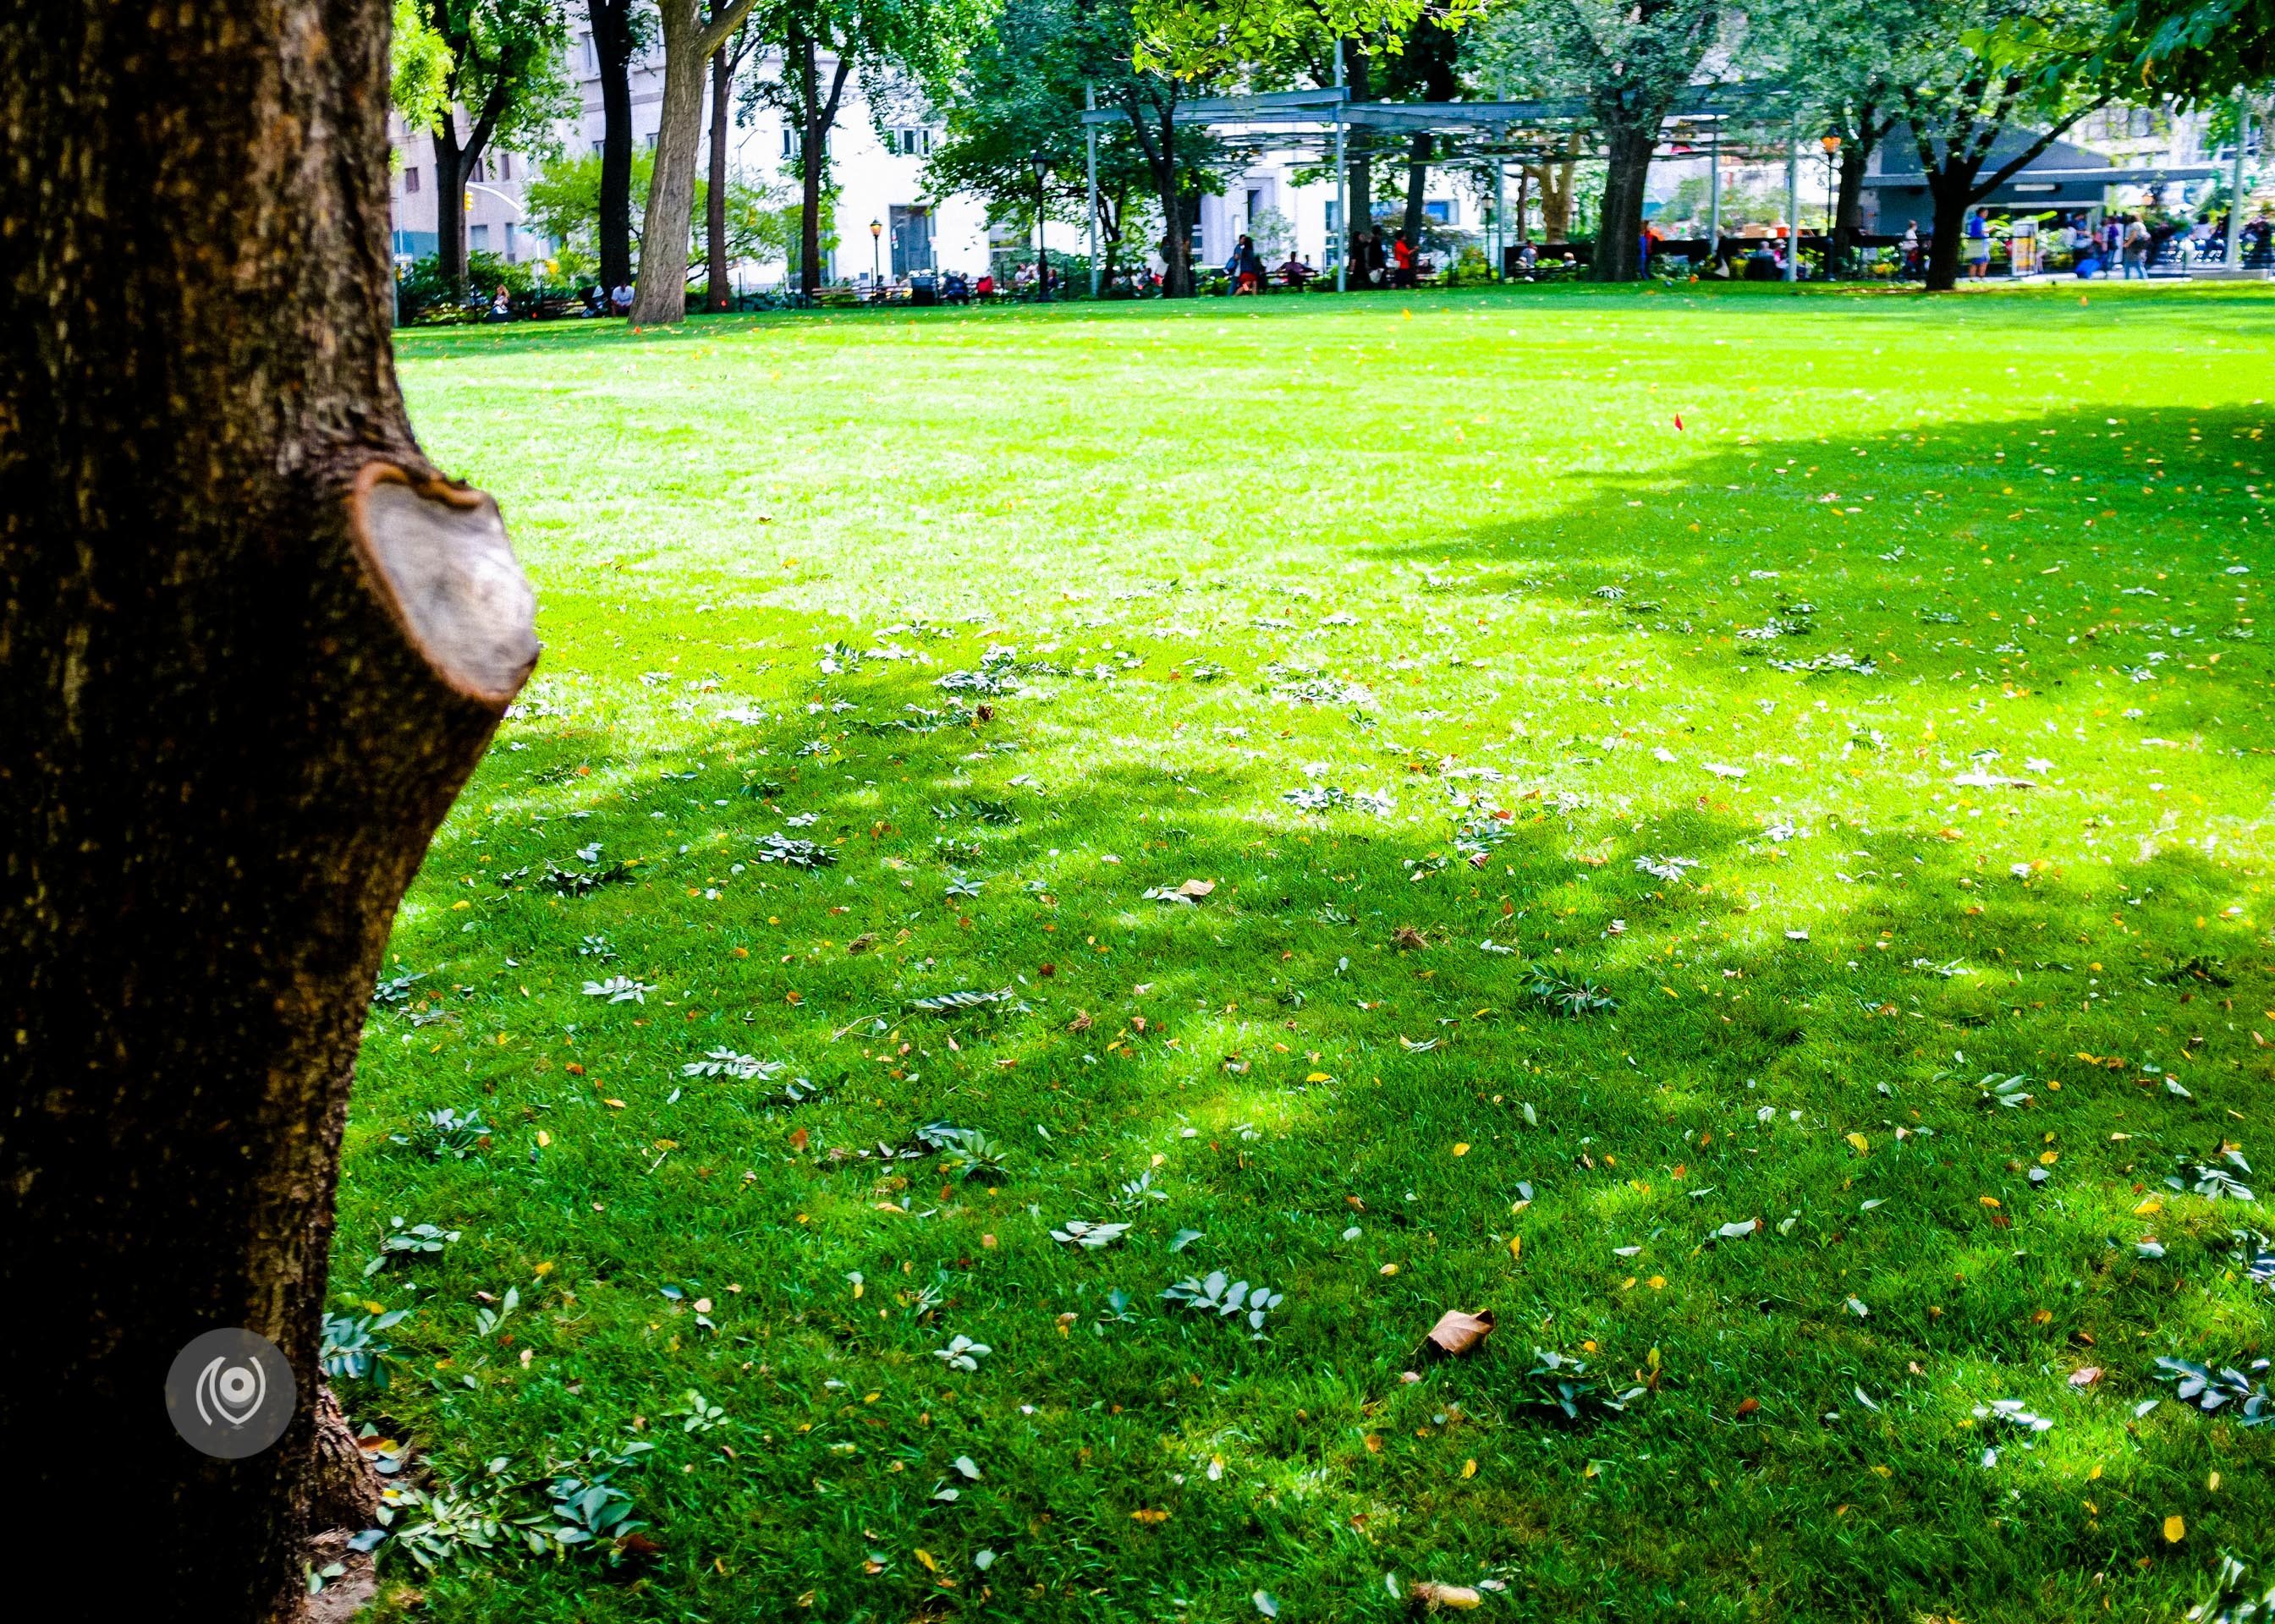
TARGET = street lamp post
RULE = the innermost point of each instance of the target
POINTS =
(876, 237)
(1832, 145)
(1041, 165)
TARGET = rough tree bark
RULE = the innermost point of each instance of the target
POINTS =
(252, 643)
(612, 43)
(661, 296)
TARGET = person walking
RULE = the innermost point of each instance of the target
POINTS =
(1909, 248)
(1247, 268)
(1978, 244)
(1403, 254)
(2136, 249)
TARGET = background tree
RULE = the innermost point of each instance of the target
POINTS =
(1958, 99)
(621, 30)
(1020, 92)
(506, 81)
(718, 255)
(252, 643)
(1629, 60)
(692, 32)
(1426, 68)
(1842, 58)
(919, 39)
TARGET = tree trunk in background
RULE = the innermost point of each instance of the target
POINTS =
(251, 646)
(1417, 182)
(453, 169)
(717, 295)
(660, 297)
(1359, 159)
(1948, 190)
(612, 42)
(1619, 227)
(1555, 183)
(1849, 197)
(817, 116)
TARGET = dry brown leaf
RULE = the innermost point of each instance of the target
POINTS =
(1408, 939)
(1197, 888)
(1456, 1332)
(1434, 1596)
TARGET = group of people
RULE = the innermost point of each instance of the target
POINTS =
(1245, 268)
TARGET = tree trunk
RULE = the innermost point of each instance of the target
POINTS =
(1619, 227)
(1358, 160)
(1849, 200)
(718, 296)
(1555, 183)
(1417, 182)
(661, 295)
(1950, 192)
(251, 645)
(453, 169)
(1178, 234)
(612, 42)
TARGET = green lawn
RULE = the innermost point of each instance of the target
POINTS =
(1911, 641)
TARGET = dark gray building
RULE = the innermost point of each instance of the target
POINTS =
(2064, 176)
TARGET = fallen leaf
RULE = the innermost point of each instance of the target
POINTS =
(1456, 1332)
(1434, 1596)
(798, 1139)
(2176, 1528)
(1747, 1406)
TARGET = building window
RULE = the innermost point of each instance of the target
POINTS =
(789, 142)
(909, 143)
(591, 56)
(512, 245)
(505, 166)
(411, 180)
(478, 239)
(1440, 211)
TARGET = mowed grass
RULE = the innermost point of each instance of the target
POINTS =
(1412, 623)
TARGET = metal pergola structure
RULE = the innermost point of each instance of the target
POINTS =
(1475, 134)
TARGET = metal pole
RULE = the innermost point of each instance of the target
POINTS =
(1342, 187)
(1501, 222)
(1714, 196)
(1793, 201)
(2235, 185)
(1090, 137)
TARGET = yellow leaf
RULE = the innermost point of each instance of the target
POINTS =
(1988, 1200)
(1460, 1150)
(543, 1138)
(1857, 1139)
(1516, 1246)
(925, 1557)
(2094, 1475)
(1658, 1282)
(1389, 1269)
(1316, 1076)
(1469, 1469)
(2151, 1206)
(1149, 1518)
(2176, 1528)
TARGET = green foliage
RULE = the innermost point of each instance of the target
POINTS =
(1204, 38)
(504, 67)
(564, 204)
(418, 67)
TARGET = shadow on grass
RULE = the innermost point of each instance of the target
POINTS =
(1804, 1019)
